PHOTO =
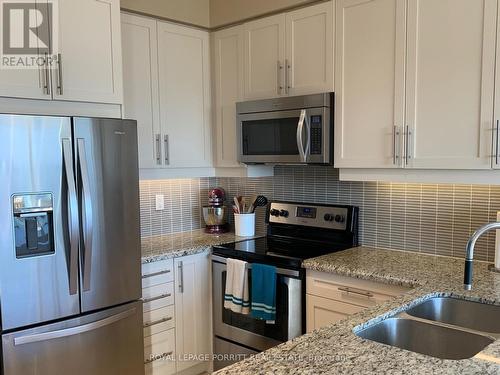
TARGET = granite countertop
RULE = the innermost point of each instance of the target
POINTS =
(335, 349)
(174, 245)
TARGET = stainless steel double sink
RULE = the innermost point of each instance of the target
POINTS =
(442, 327)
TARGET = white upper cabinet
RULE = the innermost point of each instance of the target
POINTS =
(496, 133)
(140, 89)
(89, 64)
(89, 42)
(228, 87)
(167, 90)
(450, 83)
(290, 53)
(184, 86)
(264, 57)
(309, 49)
(28, 83)
(369, 83)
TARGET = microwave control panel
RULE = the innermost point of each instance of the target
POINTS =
(316, 134)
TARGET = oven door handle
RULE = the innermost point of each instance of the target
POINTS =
(279, 271)
(300, 131)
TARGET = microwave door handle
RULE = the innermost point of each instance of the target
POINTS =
(300, 130)
(307, 151)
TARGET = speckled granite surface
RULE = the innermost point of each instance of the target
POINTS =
(156, 248)
(337, 350)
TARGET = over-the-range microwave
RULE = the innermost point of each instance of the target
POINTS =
(288, 130)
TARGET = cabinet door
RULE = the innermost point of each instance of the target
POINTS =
(451, 57)
(228, 77)
(184, 85)
(496, 133)
(192, 308)
(140, 89)
(321, 312)
(369, 83)
(264, 57)
(89, 42)
(310, 49)
(27, 83)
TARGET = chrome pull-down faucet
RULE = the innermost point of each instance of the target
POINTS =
(469, 257)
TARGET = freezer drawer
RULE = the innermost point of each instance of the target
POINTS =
(106, 343)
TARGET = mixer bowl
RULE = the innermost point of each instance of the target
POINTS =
(214, 215)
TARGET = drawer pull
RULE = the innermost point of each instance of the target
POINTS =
(146, 300)
(361, 292)
(155, 274)
(157, 357)
(162, 320)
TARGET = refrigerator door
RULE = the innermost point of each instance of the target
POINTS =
(106, 343)
(108, 190)
(38, 221)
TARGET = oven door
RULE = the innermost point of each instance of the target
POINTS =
(293, 136)
(255, 333)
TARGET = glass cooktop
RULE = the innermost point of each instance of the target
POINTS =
(281, 252)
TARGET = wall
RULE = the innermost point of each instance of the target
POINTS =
(428, 218)
(223, 12)
(196, 12)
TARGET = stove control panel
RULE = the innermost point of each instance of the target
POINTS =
(318, 216)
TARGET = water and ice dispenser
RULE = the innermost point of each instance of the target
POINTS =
(33, 224)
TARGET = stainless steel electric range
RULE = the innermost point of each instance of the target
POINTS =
(295, 232)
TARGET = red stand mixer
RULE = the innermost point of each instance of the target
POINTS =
(215, 213)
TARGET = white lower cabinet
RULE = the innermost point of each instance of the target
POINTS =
(192, 310)
(177, 318)
(332, 297)
(159, 353)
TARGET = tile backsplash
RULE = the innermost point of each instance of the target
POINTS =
(430, 218)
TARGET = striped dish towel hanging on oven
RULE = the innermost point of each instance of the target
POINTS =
(236, 292)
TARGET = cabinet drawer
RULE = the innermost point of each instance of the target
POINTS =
(350, 290)
(159, 320)
(160, 367)
(159, 353)
(321, 312)
(158, 296)
(155, 273)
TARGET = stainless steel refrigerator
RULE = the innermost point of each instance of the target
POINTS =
(69, 247)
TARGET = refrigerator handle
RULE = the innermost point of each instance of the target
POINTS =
(72, 215)
(29, 339)
(87, 214)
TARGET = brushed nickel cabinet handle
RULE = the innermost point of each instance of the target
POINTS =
(497, 157)
(361, 292)
(155, 274)
(155, 322)
(46, 74)
(156, 358)
(395, 145)
(155, 298)
(408, 145)
(181, 277)
(167, 150)
(287, 77)
(278, 78)
(59, 74)
(158, 149)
